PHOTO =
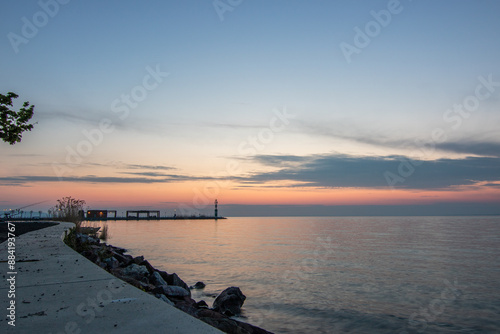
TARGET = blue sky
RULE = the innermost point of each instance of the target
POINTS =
(227, 77)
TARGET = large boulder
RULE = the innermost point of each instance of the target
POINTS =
(198, 285)
(158, 280)
(172, 291)
(174, 279)
(124, 260)
(148, 266)
(229, 301)
(136, 271)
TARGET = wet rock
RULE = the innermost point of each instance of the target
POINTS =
(229, 301)
(157, 279)
(198, 285)
(173, 279)
(227, 324)
(172, 291)
(202, 304)
(135, 271)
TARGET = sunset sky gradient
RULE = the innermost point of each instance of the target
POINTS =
(342, 105)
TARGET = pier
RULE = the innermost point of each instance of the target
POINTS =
(94, 215)
(193, 217)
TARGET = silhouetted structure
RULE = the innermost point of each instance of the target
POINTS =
(216, 212)
(150, 214)
(100, 214)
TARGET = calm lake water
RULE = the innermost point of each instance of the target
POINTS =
(336, 274)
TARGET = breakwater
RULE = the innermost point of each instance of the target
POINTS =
(157, 218)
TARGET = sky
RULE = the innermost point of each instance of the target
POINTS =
(272, 107)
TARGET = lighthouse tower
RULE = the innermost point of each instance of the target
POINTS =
(216, 213)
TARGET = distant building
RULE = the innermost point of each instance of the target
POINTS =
(97, 214)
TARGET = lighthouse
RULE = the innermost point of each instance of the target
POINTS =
(216, 212)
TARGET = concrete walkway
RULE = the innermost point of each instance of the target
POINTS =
(59, 291)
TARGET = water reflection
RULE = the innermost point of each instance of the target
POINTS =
(325, 274)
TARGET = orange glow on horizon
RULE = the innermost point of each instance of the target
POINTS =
(195, 194)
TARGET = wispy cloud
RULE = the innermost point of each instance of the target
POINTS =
(153, 167)
(93, 118)
(483, 145)
(20, 180)
(72, 117)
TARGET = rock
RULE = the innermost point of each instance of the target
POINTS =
(229, 302)
(158, 280)
(118, 272)
(163, 274)
(202, 304)
(87, 239)
(124, 260)
(135, 271)
(148, 266)
(119, 250)
(172, 291)
(175, 291)
(90, 255)
(173, 279)
(187, 305)
(138, 284)
(138, 259)
(227, 324)
(112, 263)
(198, 285)
(164, 298)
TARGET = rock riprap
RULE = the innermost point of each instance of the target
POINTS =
(168, 287)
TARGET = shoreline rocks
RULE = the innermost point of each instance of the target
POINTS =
(168, 287)
(229, 301)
